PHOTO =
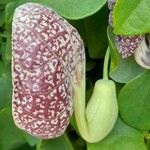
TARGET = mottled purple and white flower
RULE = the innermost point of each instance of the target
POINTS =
(111, 4)
(46, 53)
(126, 45)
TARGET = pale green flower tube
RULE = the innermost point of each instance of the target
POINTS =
(98, 118)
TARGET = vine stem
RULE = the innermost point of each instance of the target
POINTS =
(106, 63)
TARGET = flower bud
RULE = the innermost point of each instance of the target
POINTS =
(102, 110)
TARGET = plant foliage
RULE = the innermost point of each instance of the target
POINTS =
(90, 17)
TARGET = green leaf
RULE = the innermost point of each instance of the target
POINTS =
(5, 50)
(134, 102)
(9, 11)
(31, 140)
(10, 136)
(25, 147)
(122, 137)
(5, 1)
(2, 7)
(122, 70)
(90, 65)
(126, 70)
(5, 86)
(76, 9)
(147, 140)
(132, 17)
(70, 9)
(79, 25)
(62, 143)
(96, 33)
(2, 17)
(115, 56)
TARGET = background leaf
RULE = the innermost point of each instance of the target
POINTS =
(5, 48)
(10, 136)
(96, 33)
(5, 86)
(132, 17)
(92, 29)
(126, 70)
(122, 137)
(122, 70)
(134, 102)
(90, 65)
(69, 9)
(115, 56)
(31, 140)
(2, 17)
(62, 143)
(5, 1)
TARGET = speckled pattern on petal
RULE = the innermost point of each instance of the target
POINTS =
(126, 45)
(46, 51)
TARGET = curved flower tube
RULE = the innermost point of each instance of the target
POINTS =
(48, 76)
(97, 119)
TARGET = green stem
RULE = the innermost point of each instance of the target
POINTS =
(106, 63)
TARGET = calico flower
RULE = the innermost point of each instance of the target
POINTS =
(139, 45)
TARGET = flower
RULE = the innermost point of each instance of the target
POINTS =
(134, 44)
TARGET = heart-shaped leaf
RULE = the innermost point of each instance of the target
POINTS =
(134, 102)
(70, 9)
(126, 70)
(132, 17)
(122, 137)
